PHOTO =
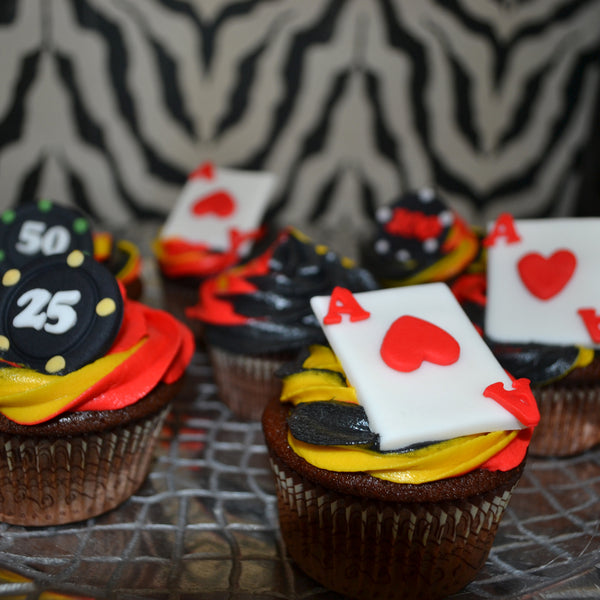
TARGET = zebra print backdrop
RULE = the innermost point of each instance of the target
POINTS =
(109, 104)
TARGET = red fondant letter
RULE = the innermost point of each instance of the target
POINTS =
(503, 227)
(519, 401)
(343, 302)
(591, 320)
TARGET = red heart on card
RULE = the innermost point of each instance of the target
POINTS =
(409, 341)
(546, 277)
(219, 203)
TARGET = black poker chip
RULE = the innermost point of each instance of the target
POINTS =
(58, 313)
(39, 229)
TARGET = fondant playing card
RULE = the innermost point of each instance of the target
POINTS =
(542, 281)
(216, 201)
(420, 369)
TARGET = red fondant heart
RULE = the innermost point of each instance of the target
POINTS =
(409, 341)
(219, 203)
(546, 277)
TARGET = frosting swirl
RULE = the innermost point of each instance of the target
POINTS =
(341, 444)
(417, 240)
(178, 257)
(264, 305)
(151, 347)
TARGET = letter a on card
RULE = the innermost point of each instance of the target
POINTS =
(419, 367)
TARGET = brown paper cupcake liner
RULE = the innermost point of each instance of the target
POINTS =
(365, 537)
(53, 480)
(246, 383)
(569, 419)
(365, 548)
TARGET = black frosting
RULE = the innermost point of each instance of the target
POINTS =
(279, 312)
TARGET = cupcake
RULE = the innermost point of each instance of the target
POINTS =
(86, 379)
(393, 486)
(535, 307)
(418, 239)
(257, 316)
(46, 228)
(214, 225)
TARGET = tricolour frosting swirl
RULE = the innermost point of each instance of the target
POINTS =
(319, 377)
(418, 239)
(264, 305)
(151, 347)
(178, 257)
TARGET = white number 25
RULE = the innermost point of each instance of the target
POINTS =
(42, 307)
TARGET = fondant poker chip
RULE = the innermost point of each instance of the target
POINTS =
(40, 229)
(58, 314)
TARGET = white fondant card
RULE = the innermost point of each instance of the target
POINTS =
(214, 201)
(419, 367)
(542, 281)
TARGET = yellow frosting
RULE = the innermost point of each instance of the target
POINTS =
(322, 379)
(30, 397)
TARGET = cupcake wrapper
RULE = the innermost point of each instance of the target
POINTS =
(569, 420)
(48, 481)
(246, 383)
(365, 548)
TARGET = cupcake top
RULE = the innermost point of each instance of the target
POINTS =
(70, 340)
(418, 239)
(214, 222)
(264, 305)
(410, 392)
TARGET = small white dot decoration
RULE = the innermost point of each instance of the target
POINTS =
(446, 218)
(403, 255)
(426, 195)
(430, 245)
(383, 214)
(382, 246)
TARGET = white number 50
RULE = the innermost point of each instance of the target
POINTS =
(34, 238)
(41, 307)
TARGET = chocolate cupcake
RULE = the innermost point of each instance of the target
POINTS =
(86, 380)
(370, 505)
(257, 316)
(418, 239)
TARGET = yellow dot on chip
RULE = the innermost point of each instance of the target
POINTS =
(75, 258)
(105, 307)
(11, 277)
(4, 343)
(55, 364)
(321, 249)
